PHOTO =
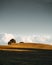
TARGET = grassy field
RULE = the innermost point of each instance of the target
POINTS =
(35, 57)
(27, 45)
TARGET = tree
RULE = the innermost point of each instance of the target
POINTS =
(11, 41)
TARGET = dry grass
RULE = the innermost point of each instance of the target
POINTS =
(27, 45)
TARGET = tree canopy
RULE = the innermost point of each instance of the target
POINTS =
(11, 41)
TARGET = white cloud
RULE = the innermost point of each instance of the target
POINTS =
(36, 38)
(41, 38)
(47, 39)
(7, 37)
(26, 39)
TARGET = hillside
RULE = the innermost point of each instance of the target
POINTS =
(27, 45)
(30, 54)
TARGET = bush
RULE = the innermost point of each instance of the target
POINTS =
(21, 42)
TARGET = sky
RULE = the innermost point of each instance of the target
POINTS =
(26, 17)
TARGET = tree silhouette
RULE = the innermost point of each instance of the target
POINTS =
(21, 42)
(11, 41)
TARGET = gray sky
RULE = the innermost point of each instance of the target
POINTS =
(26, 16)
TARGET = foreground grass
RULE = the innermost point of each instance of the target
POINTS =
(35, 57)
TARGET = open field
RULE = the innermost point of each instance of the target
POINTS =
(35, 57)
(26, 54)
(27, 45)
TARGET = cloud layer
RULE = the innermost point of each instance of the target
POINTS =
(7, 37)
(4, 38)
(45, 39)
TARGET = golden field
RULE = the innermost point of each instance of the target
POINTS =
(26, 54)
(26, 45)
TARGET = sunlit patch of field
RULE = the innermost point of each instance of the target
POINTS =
(27, 45)
(16, 50)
